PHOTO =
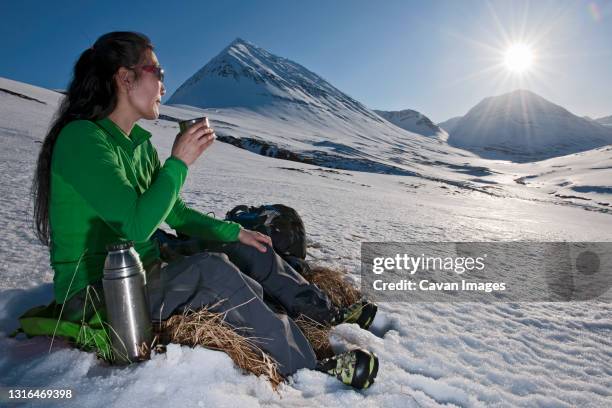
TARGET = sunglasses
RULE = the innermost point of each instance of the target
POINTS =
(154, 69)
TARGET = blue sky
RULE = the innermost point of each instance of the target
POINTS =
(438, 57)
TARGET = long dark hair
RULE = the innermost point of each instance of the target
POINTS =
(91, 95)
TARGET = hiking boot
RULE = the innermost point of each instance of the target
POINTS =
(357, 368)
(362, 313)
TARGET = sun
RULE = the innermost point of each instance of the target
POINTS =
(518, 58)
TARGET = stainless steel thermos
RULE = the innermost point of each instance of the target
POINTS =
(127, 305)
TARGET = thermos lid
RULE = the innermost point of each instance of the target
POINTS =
(120, 246)
(122, 261)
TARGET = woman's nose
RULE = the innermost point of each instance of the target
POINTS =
(163, 90)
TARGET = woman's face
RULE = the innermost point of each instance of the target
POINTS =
(145, 95)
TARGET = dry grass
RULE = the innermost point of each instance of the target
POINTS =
(333, 282)
(208, 329)
(317, 335)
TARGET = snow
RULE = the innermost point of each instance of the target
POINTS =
(415, 122)
(584, 177)
(522, 126)
(606, 120)
(449, 124)
(464, 354)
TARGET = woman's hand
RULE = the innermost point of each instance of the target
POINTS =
(190, 144)
(254, 239)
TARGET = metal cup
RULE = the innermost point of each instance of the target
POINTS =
(186, 124)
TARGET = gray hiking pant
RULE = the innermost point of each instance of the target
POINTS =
(233, 277)
(239, 276)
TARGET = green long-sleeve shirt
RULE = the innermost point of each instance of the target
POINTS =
(108, 187)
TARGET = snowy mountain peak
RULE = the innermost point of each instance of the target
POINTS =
(413, 121)
(245, 75)
(524, 126)
(517, 93)
(522, 104)
(245, 53)
(239, 40)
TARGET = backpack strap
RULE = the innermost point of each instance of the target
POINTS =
(232, 213)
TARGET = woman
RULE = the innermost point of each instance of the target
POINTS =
(99, 181)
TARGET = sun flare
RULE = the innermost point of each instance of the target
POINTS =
(518, 58)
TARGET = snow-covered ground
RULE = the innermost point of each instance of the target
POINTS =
(501, 354)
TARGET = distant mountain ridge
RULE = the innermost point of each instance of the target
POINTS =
(519, 126)
(523, 126)
(606, 120)
(413, 121)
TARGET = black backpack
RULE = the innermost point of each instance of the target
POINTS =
(283, 224)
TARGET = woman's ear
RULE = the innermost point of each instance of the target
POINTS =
(125, 79)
